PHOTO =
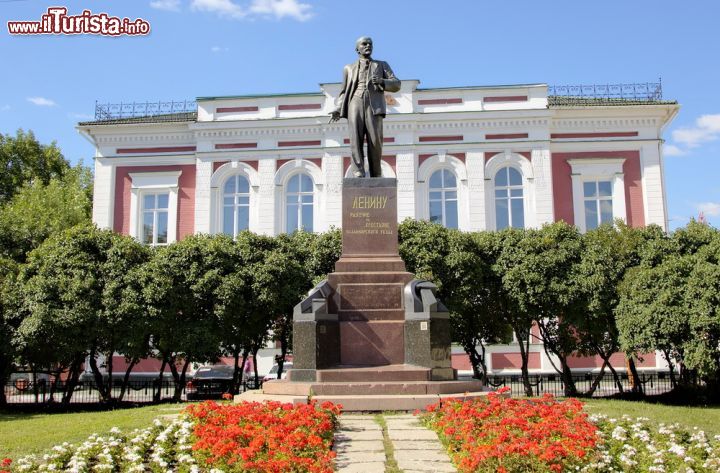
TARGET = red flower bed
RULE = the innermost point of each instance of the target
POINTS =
(498, 434)
(264, 437)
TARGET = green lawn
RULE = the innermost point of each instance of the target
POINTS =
(23, 434)
(705, 418)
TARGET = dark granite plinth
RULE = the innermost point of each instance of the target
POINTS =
(370, 321)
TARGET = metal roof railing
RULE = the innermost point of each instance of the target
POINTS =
(642, 91)
(114, 111)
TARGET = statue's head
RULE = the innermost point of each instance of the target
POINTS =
(364, 46)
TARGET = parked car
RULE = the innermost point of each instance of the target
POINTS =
(210, 382)
(274, 370)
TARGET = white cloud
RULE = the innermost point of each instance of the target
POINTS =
(5, 108)
(277, 9)
(219, 49)
(707, 128)
(221, 7)
(672, 150)
(167, 5)
(282, 8)
(710, 209)
(41, 101)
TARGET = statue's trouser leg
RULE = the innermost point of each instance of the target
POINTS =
(374, 126)
(356, 128)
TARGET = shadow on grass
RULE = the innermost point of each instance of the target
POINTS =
(27, 411)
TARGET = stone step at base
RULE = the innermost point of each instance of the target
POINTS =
(369, 388)
(348, 374)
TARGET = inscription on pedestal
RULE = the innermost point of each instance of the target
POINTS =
(370, 296)
(369, 217)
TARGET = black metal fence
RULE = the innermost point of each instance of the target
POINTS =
(23, 391)
(652, 384)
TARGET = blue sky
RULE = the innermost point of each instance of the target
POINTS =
(232, 47)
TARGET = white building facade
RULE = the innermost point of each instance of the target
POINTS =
(473, 158)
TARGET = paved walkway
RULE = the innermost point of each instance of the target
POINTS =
(361, 442)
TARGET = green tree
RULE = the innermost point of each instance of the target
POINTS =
(9, 321)
(23, 160)
(39, 209)
(73, 290)
(179, 284)
(460, 264)
(539, 279)
(507, 257)
(607, 253)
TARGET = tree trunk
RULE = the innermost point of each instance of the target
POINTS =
(73, 377)
(283, 352)
(109, 385)
(157, 395)
(524, 348)
(245, 354)
(54, 385)
(236, 369)
(180, 384)
(635, 379)
(477, 361)
(668, 358)
(570, 388)
(255, 349)
(126, 378)
(99, 383)
(596, 381)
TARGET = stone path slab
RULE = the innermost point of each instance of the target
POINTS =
(360, 447)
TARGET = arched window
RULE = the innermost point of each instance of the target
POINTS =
(236, 205)
(509, 207)
(299, 204)
(443, 203)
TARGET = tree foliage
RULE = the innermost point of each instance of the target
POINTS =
(24, 159)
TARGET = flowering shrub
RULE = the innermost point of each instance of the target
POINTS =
(633, 445)
(498, 434)
(264, 437)
(159, 448)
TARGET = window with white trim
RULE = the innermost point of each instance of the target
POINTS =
(597, 200)
(155, 218)
(598, 186)
(236, 205)
(509, 199)
(154, 207)
(442, 198)
(299, 203)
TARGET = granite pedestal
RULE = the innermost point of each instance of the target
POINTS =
(371, 336)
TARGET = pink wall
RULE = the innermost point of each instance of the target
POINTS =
(514, 360)
(562, 184)
(186, 197)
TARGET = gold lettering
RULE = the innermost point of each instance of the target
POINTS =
(369, 202)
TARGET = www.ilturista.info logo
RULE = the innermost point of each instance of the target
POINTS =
(57, 21)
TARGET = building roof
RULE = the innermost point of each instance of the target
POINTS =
(162, 118)
(563, 101)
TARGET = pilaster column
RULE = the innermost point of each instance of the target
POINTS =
(266, 197)
(405, 169)
(653, 185)
(332, 166)
(203, 176)
(542, 170)
(103, 193)
(475, 165)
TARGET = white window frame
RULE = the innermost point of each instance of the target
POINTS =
(524, 166)
(597, 169)
(422, 189)
(509, 197)
(282, 177)
(235, 206)
(145, 183)
(443, 198)
(217, 186)
(299, 203)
